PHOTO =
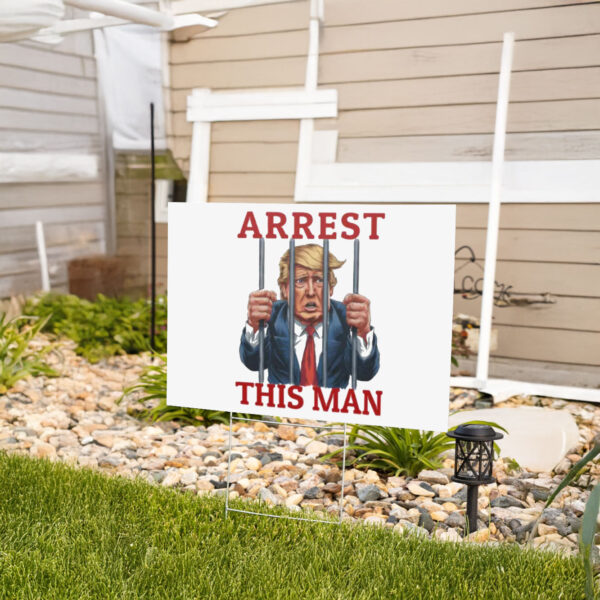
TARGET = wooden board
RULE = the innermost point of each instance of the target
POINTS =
(29, 100)
(557, 21)
(568, 313)
(573, 217)
(347, 12)
(21, 55)
(251, 184)
(27, 261)
(564, 115)
(18, 217)
(552, 345)
(15, 239)
(243, 47)
(47, 82)
(138, 245)
(29, 283)
(519, 146)
(443, 61)
(49, 141)
(552, 84)
(271, 72)
(11, 118)
(537, 245)
(261, 19)
(256, 131)
(254, 157)
(242, 131)
(46, 195)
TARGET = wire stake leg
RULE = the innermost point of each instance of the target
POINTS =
(228, 464)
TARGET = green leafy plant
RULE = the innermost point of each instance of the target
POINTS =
(105, 327)
(398, 451)
(17, 359)
(153, 385)
(590, 515)
(394, 450)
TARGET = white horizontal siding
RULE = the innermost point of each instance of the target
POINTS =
(50, 129)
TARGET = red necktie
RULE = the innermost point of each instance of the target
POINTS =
(308, 370)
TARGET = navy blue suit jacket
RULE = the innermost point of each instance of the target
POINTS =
(339, 350)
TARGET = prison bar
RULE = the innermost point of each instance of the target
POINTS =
(355, 291)
(292, 306)
(261, 326)
(325, 307)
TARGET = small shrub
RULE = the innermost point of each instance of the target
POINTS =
(153, 384)
(105, 327)
(394, 450)
(399, 451)
(17, 359)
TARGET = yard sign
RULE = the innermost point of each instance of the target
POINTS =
(380, 354)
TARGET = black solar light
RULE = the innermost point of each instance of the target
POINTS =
(473, 458)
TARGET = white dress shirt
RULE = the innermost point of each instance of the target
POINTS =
(364, 348)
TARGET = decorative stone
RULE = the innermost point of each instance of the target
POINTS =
(316, 447)
(369, 492)
(104, 438)
(171, 478)
(433, 477)
(268, 497)
(313, 493)
(421, 489)
(188, 476)
(439, 515)
(252, 463)
(287, 432)
(43, 450)
(294, 499)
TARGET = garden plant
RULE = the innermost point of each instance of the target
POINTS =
(589, 524)
(105, 327)
(18, 359)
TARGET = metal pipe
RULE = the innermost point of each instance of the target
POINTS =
(152, 233)
(355, 291)
(126, 10)
(325, 305)
(292, 305)
(472, 493)
(261, 325)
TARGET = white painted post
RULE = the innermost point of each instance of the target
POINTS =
(197, 190)
(491, 244)
(41, 248)
(310, 84)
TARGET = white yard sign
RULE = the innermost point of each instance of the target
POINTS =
(387, 327)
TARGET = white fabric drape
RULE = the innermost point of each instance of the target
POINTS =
(20, 19)
(129, 68)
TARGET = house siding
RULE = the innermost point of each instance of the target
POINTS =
(49, 104)
(418, 82)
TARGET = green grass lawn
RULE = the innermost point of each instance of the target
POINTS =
(68, 533)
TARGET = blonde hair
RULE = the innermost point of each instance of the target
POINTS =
(309, 256)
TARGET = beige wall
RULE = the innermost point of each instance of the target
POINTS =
(49, 103)
(418, 82)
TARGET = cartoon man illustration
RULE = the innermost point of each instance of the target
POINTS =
(307, 286)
